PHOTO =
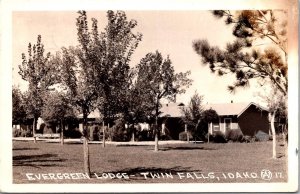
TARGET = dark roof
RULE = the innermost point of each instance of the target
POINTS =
(232, 108)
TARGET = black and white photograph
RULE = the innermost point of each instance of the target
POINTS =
(161, 97)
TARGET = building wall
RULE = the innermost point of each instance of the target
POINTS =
(253, 120)
(221, 126)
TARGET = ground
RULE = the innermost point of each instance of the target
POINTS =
(175, 163)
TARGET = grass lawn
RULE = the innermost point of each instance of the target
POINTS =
(174, 163)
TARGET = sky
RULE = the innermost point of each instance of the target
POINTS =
(170, 32)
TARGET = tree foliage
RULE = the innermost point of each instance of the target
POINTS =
(193, 112)
(37, 69)
(57, 108)
(157, 80)
(96, 72)
(18, 108)
(196, 116)
(259, 51)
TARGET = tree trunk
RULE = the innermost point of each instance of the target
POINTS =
(132, 136)
(208, 133)
(156, 134)
(61, 132)
(103, 136)
(273, 134)
(34, 128)
(133, 132)
(86, 156)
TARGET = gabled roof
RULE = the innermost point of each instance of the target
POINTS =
(232, 108)
(93, 114)
(171, 110)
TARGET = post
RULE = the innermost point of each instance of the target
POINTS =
(33, 129)
(103, 136)
(156, 134)
(163, 130)
(209, 130)
(133, 131)
(62, 132)
(187, 134)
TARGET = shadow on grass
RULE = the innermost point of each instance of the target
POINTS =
(37, 161)
(139, 172)
(185, 148)
(17, 149)
(280, 155)
(132, 145)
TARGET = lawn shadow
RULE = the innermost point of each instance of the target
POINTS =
(138, 173)
(280, 155)
(17, 149)
(132, 145)
(37, 161)
(185, 148)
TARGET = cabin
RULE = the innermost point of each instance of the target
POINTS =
(248, 117)
(171, 121)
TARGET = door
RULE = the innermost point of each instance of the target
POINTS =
(227, 124)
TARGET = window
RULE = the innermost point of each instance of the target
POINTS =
(216, 127)
(227, 123)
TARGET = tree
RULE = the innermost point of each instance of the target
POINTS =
(18, 109)
(253, 29)
(139, 105)
(208, 116)
(40, 74)
(95, 72)
(57, 109)
(77, 76)
(114, 48)
(277, 104)
(196, 116)
(157, 79)
(193, 112)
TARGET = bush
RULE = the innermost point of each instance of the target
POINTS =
(95, 136)
(145, 135)
(183, 136)
(218, 137)
(262, 136)
(235, 135)
(248, 139)
(16, 132)
(118, 131)
(21, 133)
(72, 133)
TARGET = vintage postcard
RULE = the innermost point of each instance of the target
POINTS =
(149, 96)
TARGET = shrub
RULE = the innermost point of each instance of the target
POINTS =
(21, 132)
(96, 134)
(72, 133)
(183, 136)
(248, 139)
(218, 137)
(235, 135)
(262, 136)
(145, 135)
(118, 131)
(16, 132)
(48, 129)
(165, 137)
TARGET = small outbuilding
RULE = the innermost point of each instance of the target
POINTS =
(250, 118)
